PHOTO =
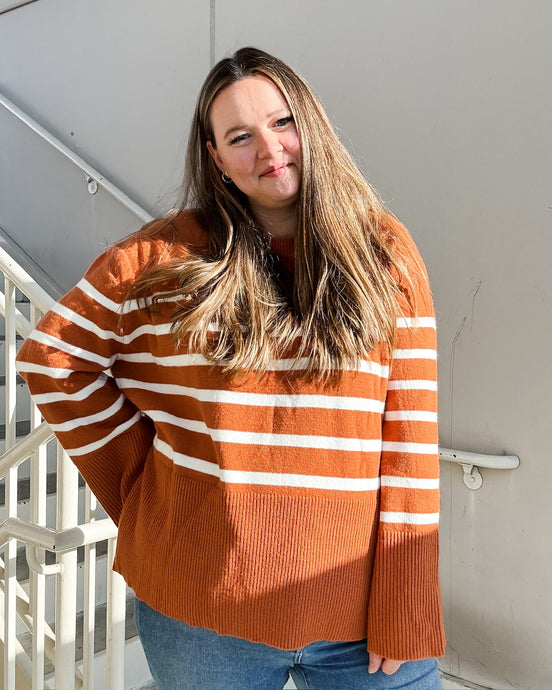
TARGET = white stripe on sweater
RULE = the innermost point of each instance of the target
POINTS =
(329, 402)
(195, 359)
(410, 416)
(365, 366)
(124, 307)
(266, 439)
(101, 299)
(416, 322)
(91, 327)
(267, 478)
(84, 323)
(397, 447)
(62, 346)
(148, 329)
(96, 445)
(412, 385)
(415, 353)
(410, 518)
(52, 372)
(77, 396)
(409, 482)
(131, 305)
(101, 416)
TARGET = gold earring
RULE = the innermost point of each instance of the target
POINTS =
(226, 179)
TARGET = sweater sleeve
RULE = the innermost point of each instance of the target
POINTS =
(405, 616)
(65, 362)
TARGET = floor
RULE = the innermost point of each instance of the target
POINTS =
(448, 684)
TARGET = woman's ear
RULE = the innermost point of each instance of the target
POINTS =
(215, 156)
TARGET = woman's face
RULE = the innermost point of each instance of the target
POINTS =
(256, 143)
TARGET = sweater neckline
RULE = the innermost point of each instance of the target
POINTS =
(284, 248)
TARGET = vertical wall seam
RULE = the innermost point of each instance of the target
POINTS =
(212, 33)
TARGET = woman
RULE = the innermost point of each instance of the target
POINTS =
(249, 388)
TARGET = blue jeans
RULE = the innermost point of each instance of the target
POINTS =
(182, 657)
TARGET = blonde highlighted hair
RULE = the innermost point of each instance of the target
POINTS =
(344, 296)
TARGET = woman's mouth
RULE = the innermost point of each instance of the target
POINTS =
(275, 170)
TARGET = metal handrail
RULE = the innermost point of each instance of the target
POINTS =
(57, 541)
(15, 6)
(24, 282)
(492, 462)
(28, 271)
(24, 613)
(24, 448)
(93, 176)
(471, 462)
(36, 536)
(63, 540)
(22, 324)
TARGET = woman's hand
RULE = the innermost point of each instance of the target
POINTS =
(388, 666)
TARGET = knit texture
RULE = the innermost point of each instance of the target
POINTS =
(280, 510)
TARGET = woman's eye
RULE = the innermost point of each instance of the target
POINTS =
(238, 139)
(283, 121)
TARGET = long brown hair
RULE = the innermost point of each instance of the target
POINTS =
(344, 297)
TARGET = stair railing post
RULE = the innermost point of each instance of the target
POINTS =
(10, 549)
(38, 516)
(89, 597)
(66, 583)
(115, 622)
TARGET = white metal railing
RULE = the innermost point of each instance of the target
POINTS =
(471, 462)
(94, 178)
(58, 524)
(7, 6)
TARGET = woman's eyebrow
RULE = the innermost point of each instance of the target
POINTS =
(236, 128)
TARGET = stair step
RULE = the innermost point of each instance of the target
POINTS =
(24, 488)
(100, 627)
(22, 429)
(99, 632)
(18, 379)
(22, 404)
(137, 673)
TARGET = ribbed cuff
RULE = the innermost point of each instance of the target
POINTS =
(405, 620)
(112, 473)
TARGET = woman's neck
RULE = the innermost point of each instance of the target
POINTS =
(278, 222)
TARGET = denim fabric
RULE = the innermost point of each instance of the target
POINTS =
(182, 657)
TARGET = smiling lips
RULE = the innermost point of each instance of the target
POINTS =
(275, 170)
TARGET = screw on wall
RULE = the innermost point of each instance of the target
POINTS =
(92, 185)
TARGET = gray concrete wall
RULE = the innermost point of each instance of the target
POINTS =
(447, 107)
(114, 81)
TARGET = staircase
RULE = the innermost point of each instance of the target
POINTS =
(65, 617)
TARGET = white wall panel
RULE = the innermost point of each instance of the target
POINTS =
(447, 106)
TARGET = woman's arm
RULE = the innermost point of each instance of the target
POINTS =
(405, 617)
(65, 362)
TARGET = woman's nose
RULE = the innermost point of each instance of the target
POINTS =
(269, 143)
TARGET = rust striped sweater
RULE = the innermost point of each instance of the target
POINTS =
(281, 510)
